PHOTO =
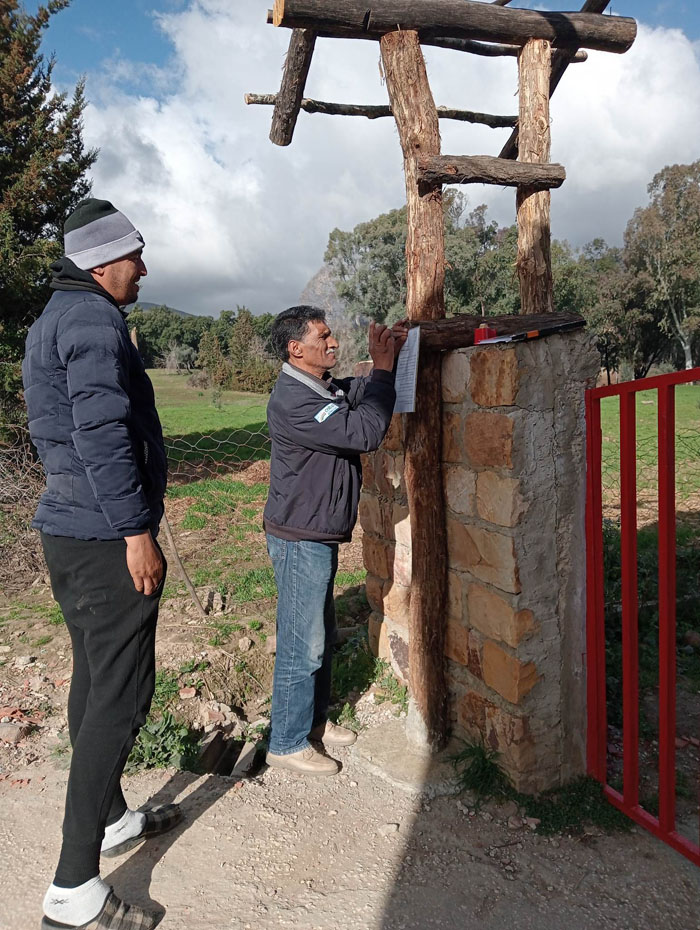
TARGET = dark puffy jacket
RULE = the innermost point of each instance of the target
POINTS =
(317, 436)
(92, 417)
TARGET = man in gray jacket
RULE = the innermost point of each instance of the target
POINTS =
(319, 426)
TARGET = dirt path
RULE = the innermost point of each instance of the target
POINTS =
(347, 853)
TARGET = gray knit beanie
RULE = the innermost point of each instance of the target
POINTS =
(96, 233)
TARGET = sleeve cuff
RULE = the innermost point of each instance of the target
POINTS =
(384, 377)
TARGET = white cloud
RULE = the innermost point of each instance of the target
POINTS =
(229, 218)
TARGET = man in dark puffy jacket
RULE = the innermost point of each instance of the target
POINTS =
(93, 420)
(319, 427)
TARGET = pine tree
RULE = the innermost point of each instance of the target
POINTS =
(43, 163)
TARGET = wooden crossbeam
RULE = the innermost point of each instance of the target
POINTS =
(560, 62)
(458, 331)
(461, 19)
(485, 49)
(288, 100)
(485, 169)
(378, 111)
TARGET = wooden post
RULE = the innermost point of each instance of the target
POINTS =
(417, 121)
(288, 101)
(534, 227)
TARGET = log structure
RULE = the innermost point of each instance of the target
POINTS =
(534, 261)
(561, 60)
(484, 169)
(417, 122)
(288, 100)
(460, 19)
(480, 28)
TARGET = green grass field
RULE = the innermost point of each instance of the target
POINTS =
(687, 445)
(212, 425)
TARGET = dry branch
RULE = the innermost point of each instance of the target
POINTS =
(288, 100)
(461, 19)
(487, 49)
(376, 112)
(485, 169)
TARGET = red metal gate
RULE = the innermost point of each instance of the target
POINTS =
(627, 799)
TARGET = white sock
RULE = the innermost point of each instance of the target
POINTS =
(131, 824)
(76, 905)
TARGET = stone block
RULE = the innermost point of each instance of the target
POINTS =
(488, 439)
(452, 429)
(506, 674)
(397, 603)
(494, 377)
(393, 441)
(389, 474)
(396, 650)
(455, 598)
(495, 617)
(472, 708)
(371, 517)
(401, 524)
(488, 555)
(498, 499)
(368, 467)
(511, 736)
(455, 376)
(374, 588)
(460, 488)
(463, 647)
(402, 570)
(374, 632)
(376, 556)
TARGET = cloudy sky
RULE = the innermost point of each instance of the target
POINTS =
(229, 218)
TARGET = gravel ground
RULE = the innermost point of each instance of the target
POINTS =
(347, 853)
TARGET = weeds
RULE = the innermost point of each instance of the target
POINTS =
(478, 771)
(167, 687)
(42, 641)
(162, 743)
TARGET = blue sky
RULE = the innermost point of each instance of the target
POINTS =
(193, 167)
(90, 32)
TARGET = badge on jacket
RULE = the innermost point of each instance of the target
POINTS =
(327, 411)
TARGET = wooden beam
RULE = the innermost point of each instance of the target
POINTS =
(486, 49)
(485, 169)
(461, 19)
(534, 261)
(458, 331)
(417, 123)
(560, 62)
(376, 112)
(288, 100)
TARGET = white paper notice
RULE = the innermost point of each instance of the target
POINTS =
(407, 373)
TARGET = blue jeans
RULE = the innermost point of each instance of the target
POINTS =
(306, 632)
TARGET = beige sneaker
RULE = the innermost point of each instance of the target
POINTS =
(333, 735)
(305, 762)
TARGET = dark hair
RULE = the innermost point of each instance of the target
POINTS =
(292, 324)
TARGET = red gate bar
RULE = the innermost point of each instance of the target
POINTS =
(664, 826)
(667, 608)
(630, 609)
(595, 628)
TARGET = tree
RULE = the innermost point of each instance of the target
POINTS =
(662, 250)
(43, 164)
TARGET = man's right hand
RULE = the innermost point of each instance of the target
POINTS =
(381, 346)
(144, 562)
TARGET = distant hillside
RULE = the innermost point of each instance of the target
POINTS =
(145, 306)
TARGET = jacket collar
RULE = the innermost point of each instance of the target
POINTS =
(314, 383)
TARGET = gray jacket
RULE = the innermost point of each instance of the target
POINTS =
(318, 430)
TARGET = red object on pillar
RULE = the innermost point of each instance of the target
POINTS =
(484, 332)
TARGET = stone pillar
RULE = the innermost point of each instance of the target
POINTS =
(514, 471)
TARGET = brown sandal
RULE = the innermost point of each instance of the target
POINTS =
(115, 915)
